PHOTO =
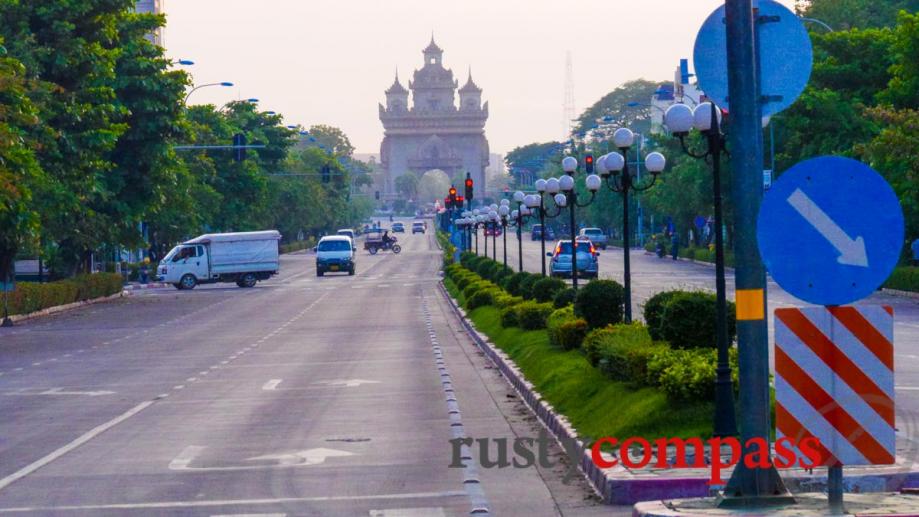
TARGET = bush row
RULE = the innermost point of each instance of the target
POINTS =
(449, 249)
(30, 297)
(904, 279)
(686, 319)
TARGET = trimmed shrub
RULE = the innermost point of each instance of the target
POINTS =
(525, 288)
(464, 278)
(598, 340)
(545, 289)
(512, 283)
(565, 330)
(482, 297)
(564, 298)
(501, 274)
(904, 279)
(509, 316)
(627, 357)
(485, 267)
(476, 286)
(654, 311)
(689, 321)
(30, 297)
(532, 315)
(503, 300)
(465, 257)
(491, 270)
(600, 302)
(685, 375)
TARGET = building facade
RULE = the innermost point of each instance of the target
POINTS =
(152, 7)
(425, 129)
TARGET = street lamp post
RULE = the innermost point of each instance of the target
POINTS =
(541, 188)
(615, 168)
(494, 218)
(566, 183)
(519, 198)
(707, 119)
(198, 87)
(503, 212)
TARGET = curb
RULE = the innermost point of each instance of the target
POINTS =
(898, 292)
(617, 491)
(66, 307)
(149, 285)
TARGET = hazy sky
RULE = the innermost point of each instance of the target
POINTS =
(329, 61)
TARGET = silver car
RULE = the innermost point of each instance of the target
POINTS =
(588, 263)
(596, 236)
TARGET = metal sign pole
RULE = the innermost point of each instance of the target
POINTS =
(749, 486)
(7, 322)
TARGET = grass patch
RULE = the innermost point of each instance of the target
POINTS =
(594, 404)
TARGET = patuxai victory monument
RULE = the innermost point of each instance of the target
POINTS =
(430, 132)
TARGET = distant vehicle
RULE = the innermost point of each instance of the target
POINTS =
(334, 253)
(536, 232)
(588, 264)
(350, 234)
(244, 258)
(374, 243)
(398, 228)
(418, 227)
(596, 236)
(493, 230)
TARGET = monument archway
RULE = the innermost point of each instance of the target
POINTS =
(433, 184)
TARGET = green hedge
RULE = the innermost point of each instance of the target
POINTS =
(566, 330)
(688, 375)
(482, 297)
(545, 289)
(532, 315)
(688, 320)
(525, 288)
(654, 311)
(599, 340)
(601, 303)
(30, 297)
(564, 298)
(904, 279)
(305, 244)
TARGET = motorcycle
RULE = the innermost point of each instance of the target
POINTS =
(375, 245)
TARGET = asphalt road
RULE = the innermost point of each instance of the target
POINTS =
(301, 396)
(651, 275)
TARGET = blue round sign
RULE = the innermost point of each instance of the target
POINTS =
(786, 57)
(830, 230)
(700, 222)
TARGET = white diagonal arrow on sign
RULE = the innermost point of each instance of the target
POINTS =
(852, 252)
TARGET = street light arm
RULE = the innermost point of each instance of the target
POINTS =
(614, 184)
(689, 151)
(645, 187)
(198, 88)
(593, 195)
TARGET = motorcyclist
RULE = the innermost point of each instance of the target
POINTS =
(387, 240)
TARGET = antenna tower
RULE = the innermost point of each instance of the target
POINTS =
(568, 108)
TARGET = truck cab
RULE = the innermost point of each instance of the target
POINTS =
(186, 262)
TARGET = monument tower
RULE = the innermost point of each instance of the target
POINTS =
(433, 133)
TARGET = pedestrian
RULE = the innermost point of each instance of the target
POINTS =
(674, 245)
(915, 248)
(145, 271)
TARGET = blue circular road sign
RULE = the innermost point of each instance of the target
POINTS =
(830, 230)
(700, 222)
(786, 57)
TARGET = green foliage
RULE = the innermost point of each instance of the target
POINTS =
(565, 330)
(600, 302)
(688, 320)
(532, 315)
(525, 288)
(464, 278)
(475, 286)
(512, 283)
(506, 300)
(509, 316)
(482, 297)
(545, 289)
(30, 297)
(654, 312)
(904, 279)
(601, 339)
(564, 297)
(843, 15)
(688, 375)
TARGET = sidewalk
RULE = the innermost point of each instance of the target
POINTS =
(134, 286)
(878, 504)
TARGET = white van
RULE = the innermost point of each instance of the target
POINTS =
(333, 254)
(244, 258)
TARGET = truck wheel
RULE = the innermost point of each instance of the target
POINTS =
(247, 280)
(319, 272)
(188, 281)
(351, 271)
(177, 286)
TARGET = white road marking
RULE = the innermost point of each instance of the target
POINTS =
(409, 512)
(250, 515)
(61, 391)
(348, 383)
(271, 385)
(906, 388)
(179, 387)
(233, 502)
(191, 379)
(92, 433)
(303, 458)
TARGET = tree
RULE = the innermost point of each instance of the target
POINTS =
(407, 186)
(72, 47)
(19, 170)
(614, 110)
(843, 15)
(333, 139)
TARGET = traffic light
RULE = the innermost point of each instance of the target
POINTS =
(459, 201)
(448, 203)
(589, 163)
(452, 198)
(377, 195)
(239, 139)
(469, 185)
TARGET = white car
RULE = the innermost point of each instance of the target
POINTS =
(334, 254)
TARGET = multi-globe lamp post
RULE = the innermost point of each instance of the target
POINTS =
(519, 216)
(706, 118)
(615, 168)
(568, 197)
(504, 211)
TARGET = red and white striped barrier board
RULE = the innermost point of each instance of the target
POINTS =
(834, 381)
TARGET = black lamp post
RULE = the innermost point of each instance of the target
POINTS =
(679, 118)
(569, 197)
(615, 168)
(504, 212)
(519, 216)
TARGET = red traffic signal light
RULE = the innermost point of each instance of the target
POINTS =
(459, 200)
(589, 163)
(452, 191)
(468, 182)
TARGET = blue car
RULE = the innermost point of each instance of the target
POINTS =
(588, 263)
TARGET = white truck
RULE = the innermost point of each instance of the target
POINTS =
(244, 258)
